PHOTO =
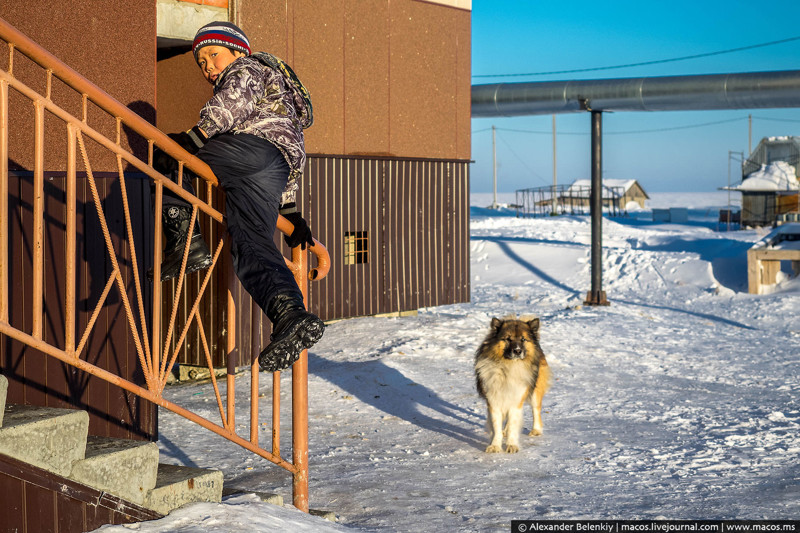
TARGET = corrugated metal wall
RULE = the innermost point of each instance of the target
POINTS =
(415, 214)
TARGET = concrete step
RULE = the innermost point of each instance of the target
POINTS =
(179, 485)
(47, 437)
(57, 440)
(3, 395)
(124, 468)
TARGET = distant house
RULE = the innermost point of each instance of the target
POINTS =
(620, 192)
(771, 150)
(770, 186)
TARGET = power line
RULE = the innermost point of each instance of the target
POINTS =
(777, 119)
(658, 130)
(520, 159)
(655, 62)
(630, 132)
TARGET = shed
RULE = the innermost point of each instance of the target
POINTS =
(769, 192)
(614, 190)
(764, 257)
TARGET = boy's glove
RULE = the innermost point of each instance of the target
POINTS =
(191, 140)
(163, 162)
(302, 233)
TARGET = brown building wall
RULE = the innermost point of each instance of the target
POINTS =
(180, 93)
(386, 77)
(109, 42)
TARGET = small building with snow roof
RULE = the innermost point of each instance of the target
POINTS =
(770, 187)
(621, 192)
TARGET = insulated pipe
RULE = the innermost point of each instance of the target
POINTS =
(747, 90)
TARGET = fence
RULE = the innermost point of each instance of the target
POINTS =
(68, 302)
(566, 199)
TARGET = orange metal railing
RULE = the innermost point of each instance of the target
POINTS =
(153, 347)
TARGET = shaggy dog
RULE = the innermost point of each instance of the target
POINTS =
(510, 368)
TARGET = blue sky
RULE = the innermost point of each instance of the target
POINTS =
(519, 36)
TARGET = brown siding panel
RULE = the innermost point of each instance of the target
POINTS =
(415, 213)
(32, 499)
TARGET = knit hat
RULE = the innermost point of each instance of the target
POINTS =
(221, 34)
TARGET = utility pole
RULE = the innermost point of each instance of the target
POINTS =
(749, 135)
(555, 173)
(494, 166)
(729, 180)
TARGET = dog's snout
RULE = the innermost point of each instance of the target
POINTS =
(514, 351)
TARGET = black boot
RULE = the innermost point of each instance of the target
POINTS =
(293, 330)
(176, 228)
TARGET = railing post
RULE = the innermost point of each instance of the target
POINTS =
(300, 399)
(37, 305)
(3, 201)
(70, 282)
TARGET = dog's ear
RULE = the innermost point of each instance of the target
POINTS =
(496, 323)
(533, 325)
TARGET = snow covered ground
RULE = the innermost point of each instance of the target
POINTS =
(679, 400)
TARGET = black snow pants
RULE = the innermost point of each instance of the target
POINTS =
(253, 173)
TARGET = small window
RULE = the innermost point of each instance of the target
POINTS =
(356, 247)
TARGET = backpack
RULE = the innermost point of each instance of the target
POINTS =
(306, 115)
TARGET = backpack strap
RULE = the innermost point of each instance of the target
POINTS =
(306, 115)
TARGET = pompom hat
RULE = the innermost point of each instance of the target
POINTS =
(221, 34)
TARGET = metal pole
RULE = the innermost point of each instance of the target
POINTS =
(494, 165)
(729, 179)
(596, 295)
(555, 173)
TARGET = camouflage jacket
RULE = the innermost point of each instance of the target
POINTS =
(252, 98)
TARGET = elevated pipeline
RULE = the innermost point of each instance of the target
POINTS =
(749, 90)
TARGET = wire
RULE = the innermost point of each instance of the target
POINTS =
(521, 160)
(690, 126)
(655, 62)
(656, 130)
(778, 119)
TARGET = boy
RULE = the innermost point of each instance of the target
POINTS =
(251, 135)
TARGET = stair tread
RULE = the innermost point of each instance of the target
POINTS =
(48, 437)
(99, 446)
(16, 415)
(170, 474)
(123, 467)
(179, 485)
